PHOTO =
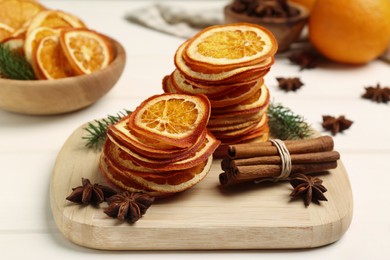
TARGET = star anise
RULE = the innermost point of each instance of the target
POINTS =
(377, 94)
(264, 8)
(275, 8)
(90, 194)
(310, 188)
(306, 59)
(243, 6)
(336, 125)
(289, 84)
(130, 206)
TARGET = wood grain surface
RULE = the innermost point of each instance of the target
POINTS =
(206, 217)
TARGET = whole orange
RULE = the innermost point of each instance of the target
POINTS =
(306, 3)
(350, 31)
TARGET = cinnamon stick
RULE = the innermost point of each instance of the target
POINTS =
(319, 157)
(262, 161)
(319, 144)
(245, 173)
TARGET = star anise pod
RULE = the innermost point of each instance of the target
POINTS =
(90, 194)
(130, 206)
(244, 6)
(306, 59)
(336, 125)
(289, 84)
(377, 94)
(308, 187)
(264, 8)
(275, 8)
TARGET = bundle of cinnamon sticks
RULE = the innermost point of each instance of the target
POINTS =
(262, 161)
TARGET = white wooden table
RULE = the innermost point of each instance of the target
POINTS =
(29, 144)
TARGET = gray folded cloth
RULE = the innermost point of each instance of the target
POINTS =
(175, 20)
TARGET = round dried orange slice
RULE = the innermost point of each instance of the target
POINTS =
(234, 120)
(237, 96)
(54, 19)
(257, 102)
(15, 13)
(227, 132)
(120, 180)
(5, 31)
(155, 185)
(181, 84)
(176, 119)
(124, 137)
(229, 76)
(201, 154)
(224, 45)
(87, 51)
(49, 59)
(34, 37)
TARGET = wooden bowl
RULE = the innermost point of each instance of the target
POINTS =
(49, 97)
(286, 31)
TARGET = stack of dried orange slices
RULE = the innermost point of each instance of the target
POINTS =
(227, 63)
(56, 44)
(162, 148)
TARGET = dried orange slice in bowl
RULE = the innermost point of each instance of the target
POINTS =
(86, 50)
(176, 119)
(49, 59)
(5, 31)
(34, 37)
(227, 45)
(54, 19)
(15, 13)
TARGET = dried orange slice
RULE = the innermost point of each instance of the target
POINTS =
(201, 154)
(120, 180)
(123, 136)
(155, 185)
(234, 120)
(229, 76)
(5, 31)
(257, 102)
(181, 84)
(258, 134)
(226, 45)
(34, 37)
(49, 59)
(176, 119)
(15, 13)
(228, 132)
(54, 19)
(86, 50)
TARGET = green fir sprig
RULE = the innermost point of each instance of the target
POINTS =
(97, 130)
(13, 65)
(285, 124)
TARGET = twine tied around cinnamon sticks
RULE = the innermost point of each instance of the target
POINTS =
(275, 160)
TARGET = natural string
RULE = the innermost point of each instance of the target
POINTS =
(286, 161)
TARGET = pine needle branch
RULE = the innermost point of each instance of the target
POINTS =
(286, 125)
(14, 65)
(97, 130)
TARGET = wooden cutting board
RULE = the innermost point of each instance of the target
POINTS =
(260, 216)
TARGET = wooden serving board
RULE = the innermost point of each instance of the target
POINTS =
(260, 216)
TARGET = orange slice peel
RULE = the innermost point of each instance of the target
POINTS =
(176, 119)
(86, 50)
(49, 61)
(228, 45)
